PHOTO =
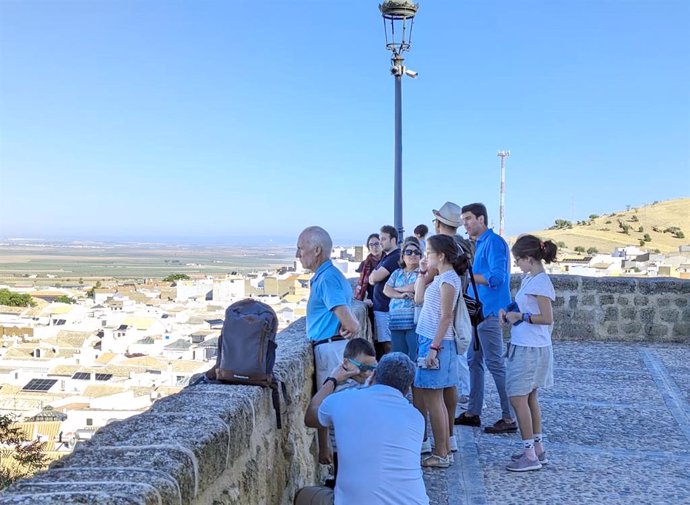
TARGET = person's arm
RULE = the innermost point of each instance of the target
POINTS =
(447, 299)
(420, 289)
(311, 416)
(378, 275)
(497, 257)
(349, 326)
(545, 316)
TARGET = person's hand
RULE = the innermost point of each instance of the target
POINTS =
(343, 372)
(513, 317)
(344, 332)
(368, 302)
(326, 456)
(432, 358)
(423, 264)
(502, 317)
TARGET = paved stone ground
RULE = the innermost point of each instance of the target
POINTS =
(617, 428)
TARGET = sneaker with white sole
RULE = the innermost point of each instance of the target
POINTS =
(426, 446)
(524, 464)
(542, 457)
(452, 444)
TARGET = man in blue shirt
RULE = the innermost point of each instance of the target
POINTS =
(330, 321)
(491, 268)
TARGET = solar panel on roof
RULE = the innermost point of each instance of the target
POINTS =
(39, 385)
(104, 376)
(82, 376)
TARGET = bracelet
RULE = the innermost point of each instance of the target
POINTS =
(436, 348)
(331, 379)
(526, 316)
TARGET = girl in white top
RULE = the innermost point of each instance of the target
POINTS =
(434, 383)
(530, 356)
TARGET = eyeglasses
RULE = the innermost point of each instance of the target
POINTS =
(362, 367)
(374, 244)
(410, 252)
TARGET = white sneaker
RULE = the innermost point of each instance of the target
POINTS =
(426, 446)
(452, 444)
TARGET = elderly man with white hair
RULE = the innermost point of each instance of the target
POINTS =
(330, 321)
(380, 464)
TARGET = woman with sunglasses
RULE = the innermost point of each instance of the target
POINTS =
(400, 289)
(437, 371)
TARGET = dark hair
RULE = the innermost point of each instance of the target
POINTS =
(373, 235)
(478, 209)
(396, 370)
(421, 230)
(446, 245)
(390, 230)
(357, 346)
(529, 246)
(408, 241)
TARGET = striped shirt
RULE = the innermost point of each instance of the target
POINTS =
(431, 310)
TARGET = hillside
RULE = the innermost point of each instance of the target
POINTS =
(664, 223)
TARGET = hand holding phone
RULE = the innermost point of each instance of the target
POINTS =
(513, 307)
(421, 363)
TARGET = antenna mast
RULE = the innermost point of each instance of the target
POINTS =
(502, 195)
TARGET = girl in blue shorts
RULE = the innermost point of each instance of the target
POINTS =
(437, 371)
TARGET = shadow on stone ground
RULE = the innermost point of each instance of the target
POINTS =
(617, 428)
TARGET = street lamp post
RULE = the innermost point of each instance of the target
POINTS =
(398, 18)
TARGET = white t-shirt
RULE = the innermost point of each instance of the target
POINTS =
(380, 464)
(431, 310)
(526, 334)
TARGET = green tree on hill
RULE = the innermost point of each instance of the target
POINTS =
(561, 224)
(64, 299)
(92, 291)
(14, 299)
(593, 216)
(176, 277)
(646, 237)
(592, 250)
(579, 249)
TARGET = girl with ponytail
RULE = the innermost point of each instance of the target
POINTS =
(530, 358)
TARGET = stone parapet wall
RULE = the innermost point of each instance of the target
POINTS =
(620, 308)
(211, 444)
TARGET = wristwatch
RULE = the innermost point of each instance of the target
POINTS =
(329, 379)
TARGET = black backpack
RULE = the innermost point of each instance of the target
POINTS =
(247, 349)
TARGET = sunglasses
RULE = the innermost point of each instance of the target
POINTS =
(410, 252)
(362, 367)
(374, 244)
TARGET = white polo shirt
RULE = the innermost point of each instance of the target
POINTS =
(379, 436)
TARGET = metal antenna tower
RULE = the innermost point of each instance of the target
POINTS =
(502, 195)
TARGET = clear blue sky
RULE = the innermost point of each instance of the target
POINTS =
(207, 120)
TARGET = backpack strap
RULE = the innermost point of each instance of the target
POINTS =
(276, 387)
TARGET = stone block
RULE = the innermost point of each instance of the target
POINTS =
(664, 286)
(588, 300)
(685, 316)
(606, 300)
(640, 301)
(573, 331)
(663, 301)
(669, 315)
(611, 314)
(628, 313)
(655, 330)
(623, 300)
(563, 283)
(572, 302)
(559, 301)
(631, 329)
(681, 330)
(647, 314)
(609, 284)
(612, 330)
(681, 302)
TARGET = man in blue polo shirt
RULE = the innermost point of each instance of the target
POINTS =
(329, 319)
(491, 268)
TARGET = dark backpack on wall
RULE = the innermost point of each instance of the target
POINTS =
(247, 348)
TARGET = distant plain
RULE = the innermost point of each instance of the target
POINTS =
(73, 261)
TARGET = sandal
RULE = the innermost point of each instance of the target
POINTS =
(436, 461)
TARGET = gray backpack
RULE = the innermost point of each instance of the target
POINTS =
(247, 348)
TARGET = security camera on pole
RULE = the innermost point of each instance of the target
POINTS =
(398, 15)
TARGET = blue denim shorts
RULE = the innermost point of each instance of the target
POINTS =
(446, 375)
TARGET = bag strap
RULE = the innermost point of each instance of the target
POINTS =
(476, 297)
